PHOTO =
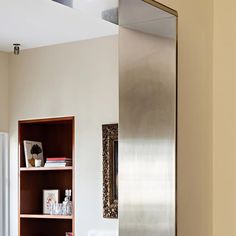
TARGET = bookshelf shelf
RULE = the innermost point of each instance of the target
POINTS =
(41, 216)
(57, 138)
(46, 168)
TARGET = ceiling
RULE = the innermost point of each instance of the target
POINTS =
(37, 23)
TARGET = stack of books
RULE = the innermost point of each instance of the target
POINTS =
(58, 162)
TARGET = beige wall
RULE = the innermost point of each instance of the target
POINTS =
(30, 91)
(196, 92)
(78, 79)
(3, 92)
(194, 116)
(195, 111)
(224, 121)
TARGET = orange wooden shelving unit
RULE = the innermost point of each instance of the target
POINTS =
(57, 137)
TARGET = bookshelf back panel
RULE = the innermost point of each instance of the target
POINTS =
(56, 137)
(45, 227)
(32, 186)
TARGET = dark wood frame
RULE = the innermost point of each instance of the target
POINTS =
(110, 204)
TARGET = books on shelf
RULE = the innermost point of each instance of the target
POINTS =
(58, 162)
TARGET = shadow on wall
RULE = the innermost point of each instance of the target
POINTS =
(68, 3)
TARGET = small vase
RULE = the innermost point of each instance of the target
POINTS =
(37, 163)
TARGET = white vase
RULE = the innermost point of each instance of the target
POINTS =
(37, 163)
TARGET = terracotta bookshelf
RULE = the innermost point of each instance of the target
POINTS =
(57, 137)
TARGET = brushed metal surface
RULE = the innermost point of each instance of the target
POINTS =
(142, 16)
(147, 130)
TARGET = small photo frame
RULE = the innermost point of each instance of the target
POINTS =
(50, 196)
(33, 153)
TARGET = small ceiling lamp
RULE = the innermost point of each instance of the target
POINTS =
(16, 48)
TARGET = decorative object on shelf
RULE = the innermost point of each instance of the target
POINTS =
(56, 208)
(69, 234)
(110, 170)
(37, 163)
(58, 162)
(64, 208)
(50, 197)
(67, 203)
(33, 154)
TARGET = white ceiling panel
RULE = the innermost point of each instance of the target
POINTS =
(37, 23)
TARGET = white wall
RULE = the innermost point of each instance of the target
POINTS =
(3, 140)
(4, 185)
(78, 79)
(3, 92)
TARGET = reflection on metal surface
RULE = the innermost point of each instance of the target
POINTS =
(142, 16)
(147, 122)
(162, 7)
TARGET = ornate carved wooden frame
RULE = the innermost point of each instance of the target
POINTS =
(110, 205)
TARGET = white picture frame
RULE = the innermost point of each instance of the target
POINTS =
(50, 196)
(29, 157)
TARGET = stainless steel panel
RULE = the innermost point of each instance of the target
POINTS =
(147, 129)
(142, 16)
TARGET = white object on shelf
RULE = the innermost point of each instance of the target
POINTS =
(37, 163)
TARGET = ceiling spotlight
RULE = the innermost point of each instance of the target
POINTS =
(16, 48)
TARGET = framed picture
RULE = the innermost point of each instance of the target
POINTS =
(33, 151)
(49, 197)
(110, 170)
